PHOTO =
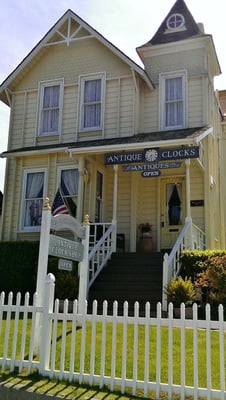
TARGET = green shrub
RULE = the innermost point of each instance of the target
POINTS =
(67, 282)
(179, 291)
(18, 270)
(18, 266)
(212, 280)
(193, 261)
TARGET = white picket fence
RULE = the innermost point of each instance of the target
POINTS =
(144, 355)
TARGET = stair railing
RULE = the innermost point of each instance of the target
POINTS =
(102, 245)
(190, 237)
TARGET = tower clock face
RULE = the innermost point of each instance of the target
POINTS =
(151, 155)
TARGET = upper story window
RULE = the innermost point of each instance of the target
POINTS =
(32, 199)
(173, 100)
(68, 183)
(175, 21)
(50, 107)
(92, 99)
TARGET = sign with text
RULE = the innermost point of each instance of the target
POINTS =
(152, 155)
(65, 265)
(151, 167)
(69, 249)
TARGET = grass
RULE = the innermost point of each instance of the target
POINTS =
(52, 385)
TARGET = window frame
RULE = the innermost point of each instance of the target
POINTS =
(42, 86)
(163, 77)
(173, 18)
(26, 172)
(82, 80)
(64, 168)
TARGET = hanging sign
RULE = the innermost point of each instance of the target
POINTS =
(65, 248)
(151, 155)
(65, 265)
(151, 174)
(152, 166)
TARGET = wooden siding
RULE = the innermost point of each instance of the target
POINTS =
(193, 61)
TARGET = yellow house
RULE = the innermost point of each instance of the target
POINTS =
(124, 143)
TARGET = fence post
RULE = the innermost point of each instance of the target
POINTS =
(84, 269)
(46, 325)
(165, 280)
(42, 266)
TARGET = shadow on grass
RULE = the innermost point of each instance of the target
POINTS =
(34, 383)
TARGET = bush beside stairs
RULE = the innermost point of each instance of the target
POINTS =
(129, 277)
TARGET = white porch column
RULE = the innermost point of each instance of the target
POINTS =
(79, 214)
(115, 203)
(115, 194)
(188, 189)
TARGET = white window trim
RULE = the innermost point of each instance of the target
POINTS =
(82, 80)
(42, 86)
(162, 79)
(26, 172)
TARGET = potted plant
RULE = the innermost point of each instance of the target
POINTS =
(178, 291)
(146, 243)
(145, 229)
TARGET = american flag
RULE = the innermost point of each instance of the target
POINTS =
(59, 206)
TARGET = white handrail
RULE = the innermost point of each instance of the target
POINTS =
(101, 251)
(190, 237)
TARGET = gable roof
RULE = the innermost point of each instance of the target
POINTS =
(191, 27)
(68, 28)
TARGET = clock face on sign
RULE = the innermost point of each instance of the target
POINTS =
(151, 155)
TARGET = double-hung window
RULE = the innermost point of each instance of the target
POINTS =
(92, 89)
(173, 100)
(32, 201)
(50, 108)
(68, 182)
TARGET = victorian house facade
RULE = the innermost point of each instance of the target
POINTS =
(124, 143)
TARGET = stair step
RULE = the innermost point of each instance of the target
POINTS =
(131, 277)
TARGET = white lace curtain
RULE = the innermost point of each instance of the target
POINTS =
(173, 102)
(50, 111)
(69, 182)
(33, 199)
(92, 103)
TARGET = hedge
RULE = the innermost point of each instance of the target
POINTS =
(193, 261)
(18, 270)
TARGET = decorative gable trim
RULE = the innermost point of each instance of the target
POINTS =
(70, 27)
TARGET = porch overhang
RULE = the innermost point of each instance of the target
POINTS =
(181, 137)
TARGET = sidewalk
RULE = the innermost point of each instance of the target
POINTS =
(32, 387)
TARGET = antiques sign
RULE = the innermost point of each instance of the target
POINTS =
(152, 155)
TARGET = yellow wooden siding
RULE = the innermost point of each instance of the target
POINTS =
(193, 60)
(70, 117)
(197, 193)
(112, 105)
(126, 108)
(69, 62)
(195, 103)
(151, 111)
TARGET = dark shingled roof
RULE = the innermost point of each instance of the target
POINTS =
(145, 138)
(191, 27)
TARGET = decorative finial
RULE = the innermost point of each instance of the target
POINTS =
(46, 205)
(86, 219)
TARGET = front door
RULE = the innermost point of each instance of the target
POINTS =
(172, 211)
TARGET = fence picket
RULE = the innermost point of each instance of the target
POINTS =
(63, 343)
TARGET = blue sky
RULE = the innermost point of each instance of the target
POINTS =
(126, 23)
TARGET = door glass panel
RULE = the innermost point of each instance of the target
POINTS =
(173, 204)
